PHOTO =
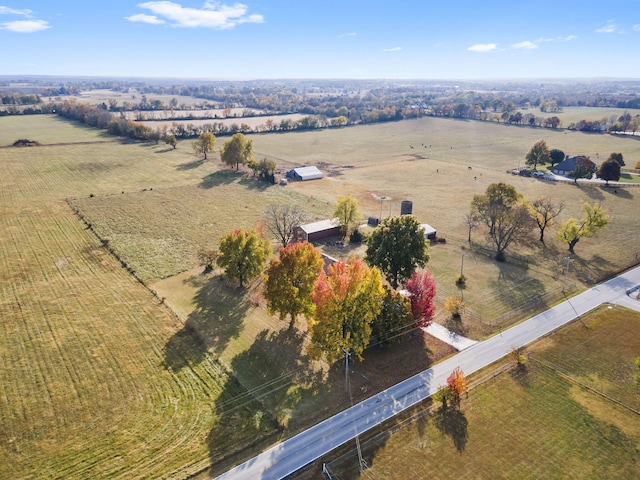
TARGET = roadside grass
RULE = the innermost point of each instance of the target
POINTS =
(533, 422)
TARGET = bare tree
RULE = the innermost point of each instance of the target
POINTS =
(281, 220)
(544, 212)
(471, 221)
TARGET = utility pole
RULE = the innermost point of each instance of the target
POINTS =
(566, 272)
(361, 463)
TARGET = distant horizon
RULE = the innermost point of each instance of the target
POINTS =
(328, 79)
(355, 40)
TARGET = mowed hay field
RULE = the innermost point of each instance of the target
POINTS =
(98, 379)
(450, 162)
(570, 413)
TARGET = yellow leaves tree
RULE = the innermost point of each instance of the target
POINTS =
(593, 220)
(348, 298)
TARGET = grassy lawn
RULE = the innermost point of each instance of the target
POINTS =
(534, 423)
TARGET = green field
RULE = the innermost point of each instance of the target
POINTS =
(104, 377)
(566, 415)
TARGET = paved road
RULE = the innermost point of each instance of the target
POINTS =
(293, 454)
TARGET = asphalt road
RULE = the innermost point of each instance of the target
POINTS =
(293, 454)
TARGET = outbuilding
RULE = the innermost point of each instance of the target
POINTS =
(305, 173)
(429, 231)
(312, 232)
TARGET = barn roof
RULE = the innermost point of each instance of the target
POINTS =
(320, 226)
(308, 173)
(428, 229)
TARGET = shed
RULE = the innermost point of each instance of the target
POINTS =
(317, 230)
(429, 231)
(305, 173)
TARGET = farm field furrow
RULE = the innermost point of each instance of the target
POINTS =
(92, 384)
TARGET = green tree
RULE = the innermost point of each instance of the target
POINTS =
(394, 318)
(497, 198)
(397, 247)
(538, 155)
(346, 211)
(171, 140)
(243, 254)
(618, 158)
(502, 210)
(572, 230)
(609, 170)
(585, 168)
(348, 299)
(264, 169)
(290, 280)
(556, 156)
(204, 144)
(545, 211)
(238, 150)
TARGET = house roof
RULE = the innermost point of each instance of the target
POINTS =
(320, 226)
(568, 165)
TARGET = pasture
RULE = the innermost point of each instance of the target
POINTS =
(565, 415)
(106, 377)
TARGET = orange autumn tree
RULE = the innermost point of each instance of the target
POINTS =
(290, 281)
(347, 299)
(457, 384)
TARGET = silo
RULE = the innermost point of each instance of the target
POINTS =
(406, 207)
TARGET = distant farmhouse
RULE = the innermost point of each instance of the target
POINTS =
(305, 173)
(566, 166)
(312, 232)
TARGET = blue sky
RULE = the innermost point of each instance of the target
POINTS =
(321, 39)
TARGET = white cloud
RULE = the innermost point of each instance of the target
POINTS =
(568, 38)
(350, 34)
(211, 15)
(637, 27)
(25, 26)
(483, 47)
(610, 27)
(13, 11)
(526, 45)
(144, 18)
(393, 49)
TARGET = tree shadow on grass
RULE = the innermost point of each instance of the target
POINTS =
(451, 421)
(515, 287)
(255, 183)
(277, 370)
(222, 177)
(184, 349)
(217, 318)
(268, 382)
(191, 165)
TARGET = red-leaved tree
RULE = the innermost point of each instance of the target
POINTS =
(422, 291)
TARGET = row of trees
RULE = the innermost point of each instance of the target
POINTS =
(349, 302)
(510, 219)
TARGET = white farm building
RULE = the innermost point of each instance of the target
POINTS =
(305, 173)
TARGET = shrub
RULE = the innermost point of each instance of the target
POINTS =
(356, 237)
(454, 306)
(461, 281)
